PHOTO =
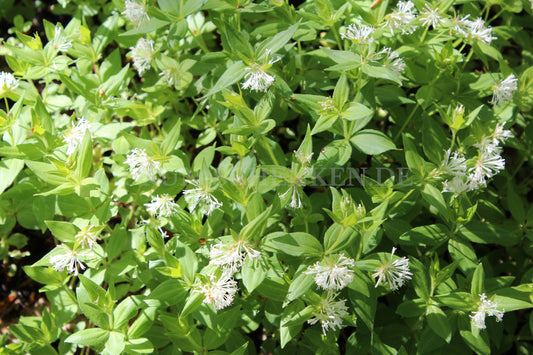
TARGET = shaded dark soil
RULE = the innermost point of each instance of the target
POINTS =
(19, 294)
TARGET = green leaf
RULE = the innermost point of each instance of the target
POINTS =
(300, 285)
(462, 251)
(46, 276)
(89, 337)
(429, 235)
(253, 272)
(295, 244)
(85, 157)
(337, 237)
(63, 231)
(9, 169)
(233, 74)
(126, 310)
(277, 41)
(254, 230)
(421, 282)
(434, 198)
(372, 142)
(376, 70)
(115, 344)
(439, 323)
(341, 92)
(478, 281)
(485, 233)
(363, 297)
(336, 153)
(514, 298)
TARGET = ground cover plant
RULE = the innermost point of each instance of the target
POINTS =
(243, 177)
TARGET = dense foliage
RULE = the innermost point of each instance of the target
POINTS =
(231, 176)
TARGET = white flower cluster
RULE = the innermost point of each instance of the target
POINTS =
(395, 273)
(7, 82)
(359, 34)
(219, 292)
(330, 313)
(71, 258)
(228, 257)
(163, 206)
(60, 42)
(142, 55)
(256, 77)
(402, 18)
(74, 137)
(488, 163)
(430, 17)
(201, 196)
(474, 29)
(231, 256)
(135, 12)
(86, 238)
(141, 165)
(486, 308)
(503, 92)
(332, 273)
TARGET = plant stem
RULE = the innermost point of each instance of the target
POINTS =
(406, 122)
(337, 38)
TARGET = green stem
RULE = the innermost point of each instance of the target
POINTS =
(468, 58)
(424, 35)
(199, 40)
(406, 122)
(270, 152)
(337, 38)
(399, 202)
(453, 140)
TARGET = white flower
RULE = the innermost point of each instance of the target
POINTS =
(327, 104)
(430, 16)
(75, 136)
(486, 166)
(171, 76)
(488, 145)
(163, 206)
(303, 158)
(461, 23)
(503, 92)
(330, 313)
(392, 60)
(60, 41)
(256, 77)
(474, 29)
(500, 135)
(402, 18)
(453, 164)
(7, 83)
(70, 261)
(141, 165)
(142, 54)
(296, 201)
(457, 185)
(333, 273)
(135, 12)
(219, 292)
(86, 238)
(395, 273)
(164, 233)
(201, 196)
(360, 34)
(487, 307)
(231, 256)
